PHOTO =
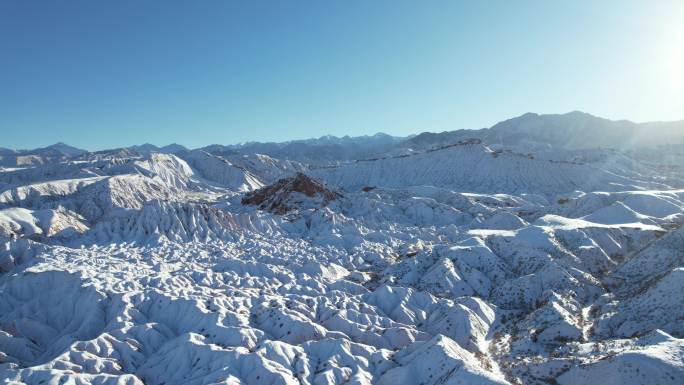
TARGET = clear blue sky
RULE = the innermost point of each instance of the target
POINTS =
(103, 74)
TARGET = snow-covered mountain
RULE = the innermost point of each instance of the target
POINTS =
(323, 150)
(54, 153)
(548, 249)
(571, 131)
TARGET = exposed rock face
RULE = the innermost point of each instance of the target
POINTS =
(288, 194)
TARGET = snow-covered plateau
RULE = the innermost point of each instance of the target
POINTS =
(528, 253)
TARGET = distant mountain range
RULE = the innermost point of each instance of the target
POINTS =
(526, 133)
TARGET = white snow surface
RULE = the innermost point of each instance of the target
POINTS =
(463, 264)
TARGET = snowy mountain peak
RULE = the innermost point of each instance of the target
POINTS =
(65, 149)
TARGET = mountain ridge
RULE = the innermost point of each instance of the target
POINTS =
(539, 123)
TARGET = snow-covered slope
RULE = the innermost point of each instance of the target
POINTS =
(473, 167)
(457, 262)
